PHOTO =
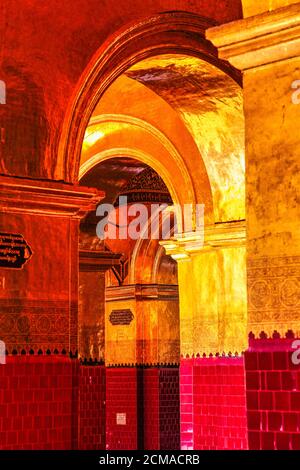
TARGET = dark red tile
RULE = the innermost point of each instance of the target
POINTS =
(291, 362)
(264, 420)
(288, 380)
(295, 401)
(252, 380)
(280, 360)
(290, 422)
(282, 401)
(283, 441)
(254, 440)
(251, 362)
(265, 361)
(295, 441)
(254, 421)
(274, 380)
(252, 400)
(274, 421)
(267, 441)
(265, 400)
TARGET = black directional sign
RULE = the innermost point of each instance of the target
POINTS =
(14, 250)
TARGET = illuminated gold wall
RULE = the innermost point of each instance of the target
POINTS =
(213, 301)
(254, 7)
(273, 199)
(120, 340)
(184, 118)
(191, 105)
(268, 54)
(153, 334)
(91, 315)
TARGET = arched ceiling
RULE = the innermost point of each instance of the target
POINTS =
(210, 103)
(208, 131)
(147, 259)
(112, 176)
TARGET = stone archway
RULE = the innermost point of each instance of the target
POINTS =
(176, 32)
(212, 308)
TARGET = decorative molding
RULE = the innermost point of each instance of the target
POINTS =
(274, 295)
(147, 365)
(43, 197)
(274, 343)
(35, 325)
(146, 186)
(182, 247)
(147, 179)
(259, 40)
(142, 292)
(213, 358)
(98, 261)
(222, 235)
(227, 234)
(34, 353)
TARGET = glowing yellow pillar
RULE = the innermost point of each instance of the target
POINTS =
(267, 49)
(142, 324)
(212, 290)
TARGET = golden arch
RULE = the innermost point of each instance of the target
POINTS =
(175, 32)
(162, 169)
(142, 157)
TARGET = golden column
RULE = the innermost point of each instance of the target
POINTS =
(212, 289)
(266, 48)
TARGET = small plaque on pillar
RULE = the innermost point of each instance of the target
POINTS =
(121, 317)
(121, 419)
(14, 250)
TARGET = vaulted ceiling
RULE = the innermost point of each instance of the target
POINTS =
(197, 107)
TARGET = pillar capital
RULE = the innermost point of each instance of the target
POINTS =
(217, 236)
(43, 197)
(97, 261)
(142, 292)
(259, 40)
(182, 246)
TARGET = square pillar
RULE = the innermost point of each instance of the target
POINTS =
(38, 311)
(266, 48)
(213, 322)
(142, 353)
